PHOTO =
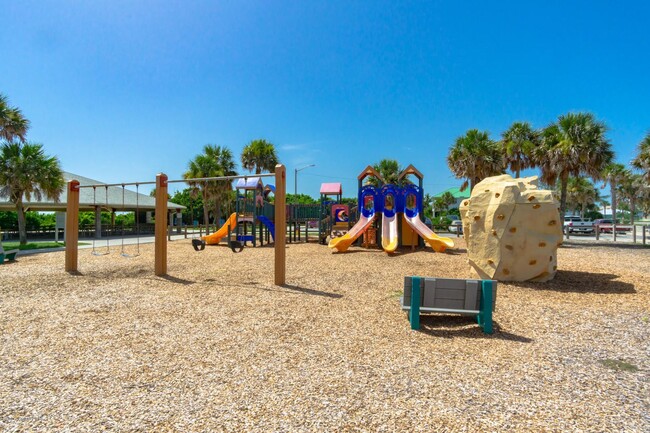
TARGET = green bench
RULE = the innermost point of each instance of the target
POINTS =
(450, 296)
(9, 255)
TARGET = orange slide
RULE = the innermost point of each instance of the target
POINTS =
(216, 237)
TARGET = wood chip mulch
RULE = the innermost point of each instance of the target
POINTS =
(217, 347)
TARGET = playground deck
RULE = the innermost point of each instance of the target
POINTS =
(217, 347)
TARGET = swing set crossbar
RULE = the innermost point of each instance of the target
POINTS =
(122, 184)
(206, 179)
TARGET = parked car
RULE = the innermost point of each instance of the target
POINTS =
(456, 226)
(605, 226)
(575, 224)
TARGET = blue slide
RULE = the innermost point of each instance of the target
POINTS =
(268, 223)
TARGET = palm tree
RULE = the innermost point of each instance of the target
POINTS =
(642, 159)
(576, 145)
(26, 171)
(445, 200)
(215, 161)
(581, 194)
(12, 122)
(614, 173)
(631, 189)
(259, 155)
(389, 169)
(474, 157)
(644, 201)
(603, 203)
(518, 144)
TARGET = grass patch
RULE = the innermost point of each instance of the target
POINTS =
(619, 365)
(35, 245)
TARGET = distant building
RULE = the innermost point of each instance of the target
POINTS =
(458, 195)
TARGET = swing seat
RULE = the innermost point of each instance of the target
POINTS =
(236, 246)
(198, 244)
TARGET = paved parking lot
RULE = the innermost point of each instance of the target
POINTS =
(626, 237)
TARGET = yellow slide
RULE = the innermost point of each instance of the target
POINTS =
(389, 235)
(343, 243)
(438, 243)
(216, 237)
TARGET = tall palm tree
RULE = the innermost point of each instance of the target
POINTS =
(215, 161)
(581, 193)
(632, 189)
(474, 156)
(642, 159)
(259, 155)
(576, 145)
(613, 174)
(26, 171)
(445, 200)
(518, 144)
(603, 203)
(12, 122)
(389, 169)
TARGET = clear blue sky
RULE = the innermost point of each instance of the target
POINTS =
(121, 90)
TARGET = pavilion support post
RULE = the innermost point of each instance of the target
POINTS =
(72, 227)
(280, 224)
(161, 225)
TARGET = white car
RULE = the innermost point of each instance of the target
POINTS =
(456, 226)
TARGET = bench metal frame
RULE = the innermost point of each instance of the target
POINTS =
(450, 296)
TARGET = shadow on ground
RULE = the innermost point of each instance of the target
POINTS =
(312, 291)
(574, 282)
(177, 280)
(463, 327)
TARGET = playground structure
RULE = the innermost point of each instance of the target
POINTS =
(334, 219)
(512, 229)
(252, 219)
(161, 183)
(401, 209)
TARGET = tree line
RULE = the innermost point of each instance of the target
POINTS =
(566, 152)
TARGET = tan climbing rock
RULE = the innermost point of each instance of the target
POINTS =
(512, 229)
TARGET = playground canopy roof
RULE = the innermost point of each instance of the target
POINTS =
(331, 188)
(249, 183)
(132, 200)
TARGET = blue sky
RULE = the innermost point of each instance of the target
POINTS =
(121, 90)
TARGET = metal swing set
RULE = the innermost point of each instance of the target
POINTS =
(160, 231)
(95, 249)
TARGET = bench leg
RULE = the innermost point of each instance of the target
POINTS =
(484, 317)
(414, 313)
(2, 258)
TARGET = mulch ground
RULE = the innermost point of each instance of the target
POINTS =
(217, 347)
